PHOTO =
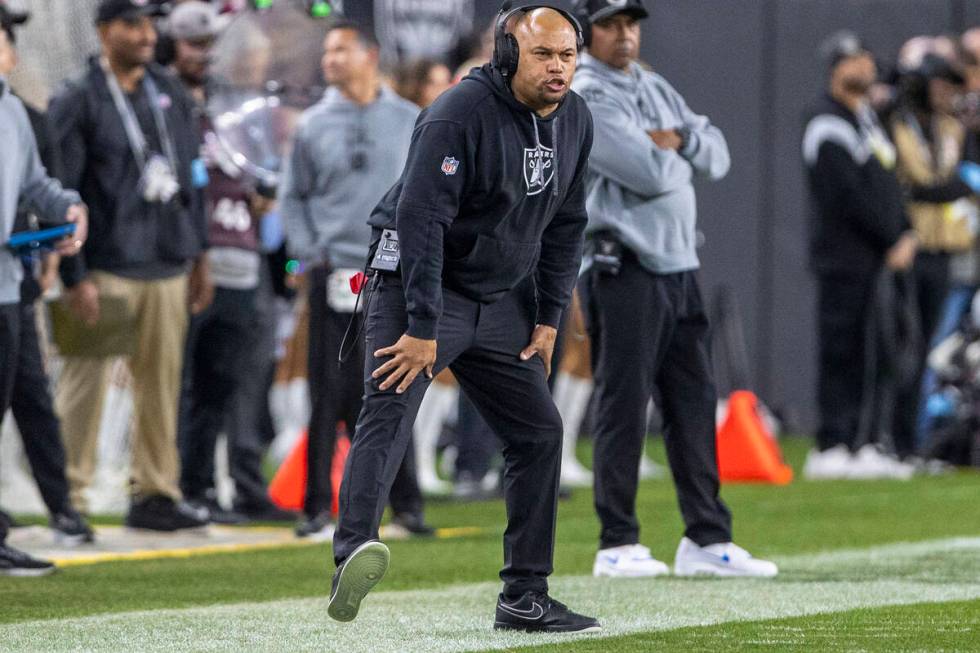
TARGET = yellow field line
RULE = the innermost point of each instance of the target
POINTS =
(213, 549)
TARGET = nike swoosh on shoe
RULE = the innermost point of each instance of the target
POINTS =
(534, 614)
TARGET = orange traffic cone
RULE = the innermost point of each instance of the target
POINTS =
(288, 487)
(746, 449)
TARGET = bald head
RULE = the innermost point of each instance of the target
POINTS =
(548, 57)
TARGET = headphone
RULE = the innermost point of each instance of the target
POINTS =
(506, 51)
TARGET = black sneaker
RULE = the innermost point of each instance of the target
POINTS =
(70, 528)
(160, 513)
(18, 563)
(536, 612)
(266, 512)
(317, 529)
(209, 505)
(413, 524)
(355, 577)
(6, 522)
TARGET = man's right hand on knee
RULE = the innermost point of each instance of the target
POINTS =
(409, 357)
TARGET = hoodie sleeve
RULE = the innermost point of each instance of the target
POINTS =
(67, 116)
(439, 163)
(40, 192)
(706, 148)
(624, 153)
(561, 245)
(294, 193)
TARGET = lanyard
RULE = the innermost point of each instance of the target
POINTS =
(137, 141)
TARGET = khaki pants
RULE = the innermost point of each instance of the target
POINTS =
(160, 308)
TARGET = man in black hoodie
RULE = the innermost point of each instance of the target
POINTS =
(490, 212)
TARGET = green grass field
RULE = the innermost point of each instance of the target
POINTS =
(866, 566)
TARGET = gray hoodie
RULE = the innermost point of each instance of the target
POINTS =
(345, 158)
(23, 180)
(638, 191)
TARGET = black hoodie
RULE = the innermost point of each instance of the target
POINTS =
(490, 194)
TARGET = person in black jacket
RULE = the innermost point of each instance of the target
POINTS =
(129, 143)
(490, 212)
(859, 228)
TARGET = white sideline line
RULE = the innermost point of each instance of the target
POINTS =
(458, 618)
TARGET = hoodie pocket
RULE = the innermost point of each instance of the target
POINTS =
(492, 268)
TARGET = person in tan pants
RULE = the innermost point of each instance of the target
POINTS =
(159, 315)
(128, 141)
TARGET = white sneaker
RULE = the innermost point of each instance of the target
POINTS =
(628, 561)
(871, 463)
(574, 474)
(834, 463)
(725, 559)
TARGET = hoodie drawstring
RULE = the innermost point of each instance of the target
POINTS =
(554, 153)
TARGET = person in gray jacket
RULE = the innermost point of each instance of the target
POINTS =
(347, 151)
(648, 325)
(23, 180)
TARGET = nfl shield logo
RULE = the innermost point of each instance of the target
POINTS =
(538, 168)
(450, 165)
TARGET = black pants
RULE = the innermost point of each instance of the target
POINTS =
(931, 273)
(219, 345)
(476, 442)
(843, 309)
(336, 395)
(650, 332)
(481, 344)
(33, 410)
(9, 347)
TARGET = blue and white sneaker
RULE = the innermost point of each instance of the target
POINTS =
(628, 561)
(724, 559)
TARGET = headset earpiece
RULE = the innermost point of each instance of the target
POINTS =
(506, 50)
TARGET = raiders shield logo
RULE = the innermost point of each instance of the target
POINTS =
(539, 168)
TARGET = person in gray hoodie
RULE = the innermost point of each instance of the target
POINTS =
(347, 151)
(23, 180)
(648, 325)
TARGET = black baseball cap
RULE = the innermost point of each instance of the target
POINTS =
(10, 19)
(597, 10)
(110, 10)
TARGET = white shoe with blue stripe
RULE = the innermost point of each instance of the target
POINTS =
(724, 559)
(628, 561)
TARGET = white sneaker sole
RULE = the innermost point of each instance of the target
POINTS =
(27, 573)
(713, 571)
(362, 570)
(606, 572)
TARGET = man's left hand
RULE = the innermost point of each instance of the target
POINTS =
(542, 344)
(666, 139)
(200, 290)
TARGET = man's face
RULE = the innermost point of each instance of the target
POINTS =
(856, 74)
(346, 57)
(616, 40)
(438, 80)
(131, 41)
(944, 96)
(193, 59)
(8, 54)
(548, 57)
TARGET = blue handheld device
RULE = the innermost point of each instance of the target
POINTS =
(24, 242)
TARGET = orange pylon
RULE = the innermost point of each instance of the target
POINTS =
(747, 450)
(288, 487)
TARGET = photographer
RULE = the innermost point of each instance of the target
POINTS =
(129, 143)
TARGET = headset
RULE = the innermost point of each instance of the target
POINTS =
(506, 51)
